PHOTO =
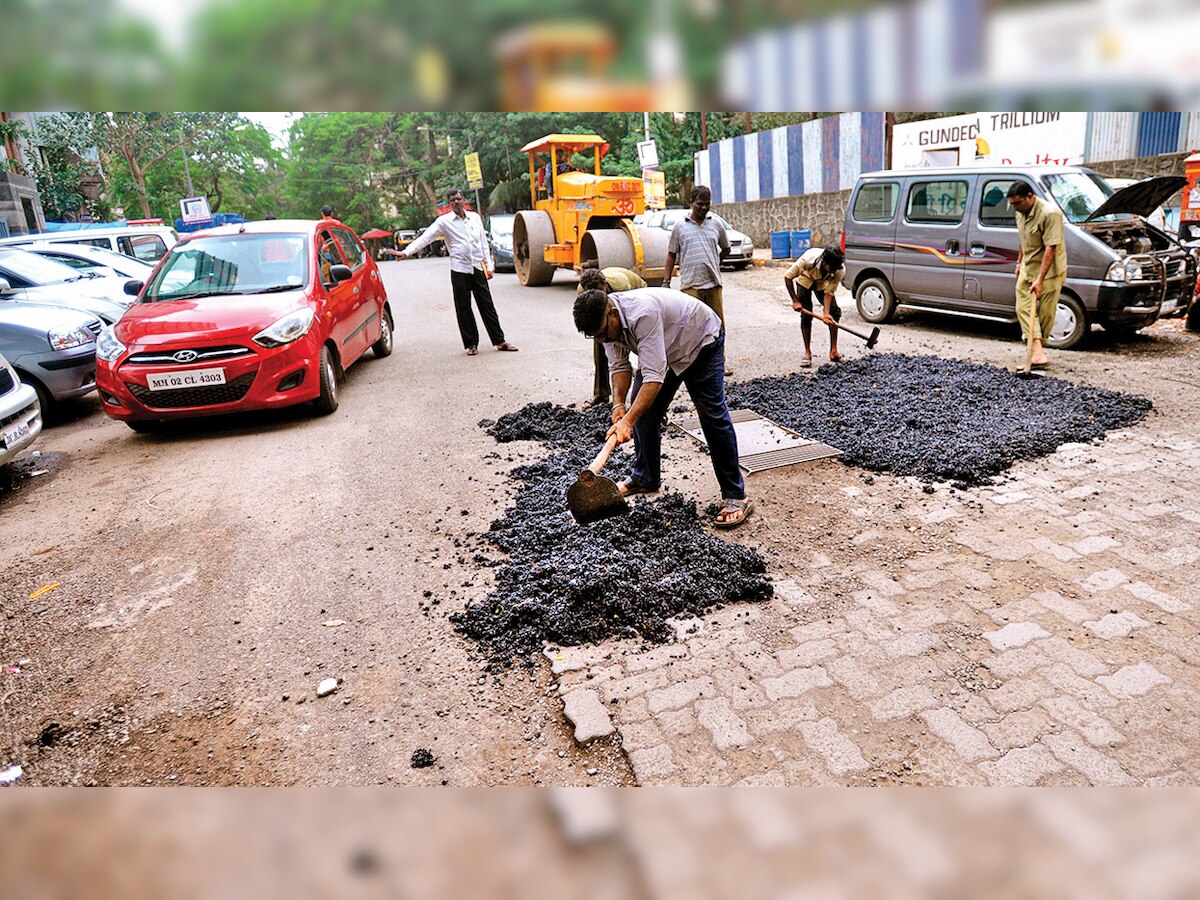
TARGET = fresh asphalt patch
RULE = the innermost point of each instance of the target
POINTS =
(940, 420)
(567, 584)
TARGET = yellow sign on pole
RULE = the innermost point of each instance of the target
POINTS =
(654, 185)
(474, 173)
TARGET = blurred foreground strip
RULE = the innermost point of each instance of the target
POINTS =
(567, 843)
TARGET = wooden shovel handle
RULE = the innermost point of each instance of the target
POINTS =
(603, 455)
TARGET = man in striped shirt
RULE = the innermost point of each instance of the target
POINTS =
(699, 244)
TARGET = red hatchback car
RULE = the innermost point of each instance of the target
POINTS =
(244, 317)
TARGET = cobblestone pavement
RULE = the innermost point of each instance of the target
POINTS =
(1042, 630)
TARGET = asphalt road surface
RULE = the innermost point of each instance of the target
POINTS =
(200, 573)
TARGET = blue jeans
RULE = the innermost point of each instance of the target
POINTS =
(705, 380)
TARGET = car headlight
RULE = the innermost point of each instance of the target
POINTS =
(285, 330)
(1124, 270)
(66, 338)
(108, 348)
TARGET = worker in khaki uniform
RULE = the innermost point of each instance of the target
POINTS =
(1041, 265)
(610, 280)
(820, 271)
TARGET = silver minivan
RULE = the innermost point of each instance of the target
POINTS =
(945, 240)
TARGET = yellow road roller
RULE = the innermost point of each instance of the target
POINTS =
(580, 216)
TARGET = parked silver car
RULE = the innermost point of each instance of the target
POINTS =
(52, 349)
(20, 414)
(88, 260)
(741, 247)
(26, 276)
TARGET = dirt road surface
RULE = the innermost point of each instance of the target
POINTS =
(200, 574)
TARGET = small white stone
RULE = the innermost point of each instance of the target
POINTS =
(327, 687)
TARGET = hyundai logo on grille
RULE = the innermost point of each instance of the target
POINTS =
(185, 356)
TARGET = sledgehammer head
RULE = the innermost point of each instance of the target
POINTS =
(873, 339)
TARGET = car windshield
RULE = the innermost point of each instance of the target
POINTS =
(231, 264)
(502, 227)
(119, 261)
(36, 269)
(1079, 194)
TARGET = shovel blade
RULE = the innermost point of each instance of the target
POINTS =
(595, 501)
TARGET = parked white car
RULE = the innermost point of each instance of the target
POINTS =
(89, 260)
(27, 277)
(741, 247)
(148, 243)
(20, 414)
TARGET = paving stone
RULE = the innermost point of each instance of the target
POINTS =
(1011, 551)
(1012, 663)
(1019, 610)
(1068, 747)
(912, 644)
(1015, 634)
(973, 709)
(653, 659)
(570, 659)
(818, 631)
(640, 735)
(588, 715)
(969, 742)
(903, 702)
(739, 688)
(1133, 681)
(782, 715)
(635, 709)
(1088, 692)
(1024, 766)
(1019, 729)
(1058, 551)
(1116, 625)
(883, 583)
(774, 778)
(1080, 661)
(680, 694)
(677, 722)
(1010, 497)
(1018, 693)
(1096, 730)
(1097, 544)
(1104, 580)
(795, 683)
(854, 677)
(757, 661)
(925, 580)
(975, 578)
(920, 619)
(643, 682)
(807, 654)
(1163, 601)
(793, 594)
(652, 764)
(875, 602)
(873, 627)
(1068, 609)
(726, 727)
(841, 754)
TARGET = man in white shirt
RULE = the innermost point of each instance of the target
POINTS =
(470, 268)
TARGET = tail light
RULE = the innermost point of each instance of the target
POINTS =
(843, 248)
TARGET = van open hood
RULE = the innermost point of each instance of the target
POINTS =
(1142, 198)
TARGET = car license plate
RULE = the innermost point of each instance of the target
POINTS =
(1169, 306)
(14, 435)
(173, 381)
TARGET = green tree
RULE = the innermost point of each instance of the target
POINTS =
(68, 182)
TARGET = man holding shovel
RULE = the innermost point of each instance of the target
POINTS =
(1041, 269)
(821, 271)
(678, 340)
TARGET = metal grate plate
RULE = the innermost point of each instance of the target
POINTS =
(762, 444)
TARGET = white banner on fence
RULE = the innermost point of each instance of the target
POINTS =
(992, 139)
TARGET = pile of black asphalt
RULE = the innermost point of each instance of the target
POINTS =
(565, 584)
(940, 420)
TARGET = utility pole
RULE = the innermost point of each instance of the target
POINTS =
(646, 125)
(703, 131)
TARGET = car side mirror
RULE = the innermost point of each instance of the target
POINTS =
(5, 287)
(134, 287)
(341, 273)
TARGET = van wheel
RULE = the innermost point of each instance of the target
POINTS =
(876, 302)
(327, 402)
(1070, 324)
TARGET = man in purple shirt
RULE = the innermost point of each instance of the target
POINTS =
(678, 340)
